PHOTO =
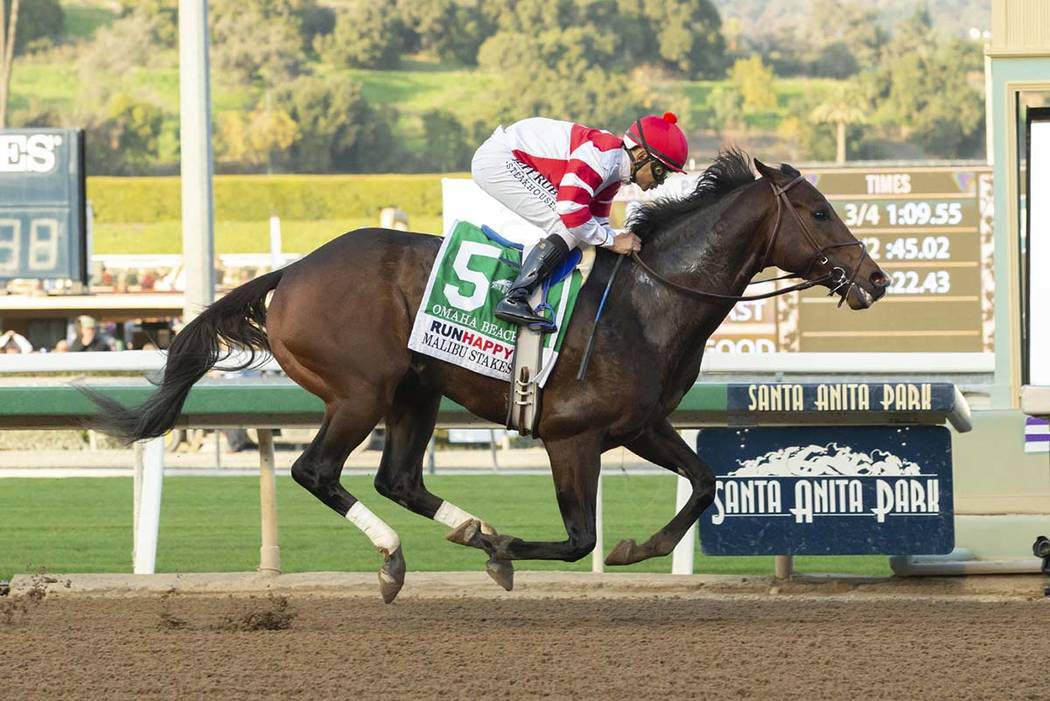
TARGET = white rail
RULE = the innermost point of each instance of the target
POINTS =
(788, 363)
(172, 260)
(122, 361)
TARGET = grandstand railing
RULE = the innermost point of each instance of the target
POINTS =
(268, 403)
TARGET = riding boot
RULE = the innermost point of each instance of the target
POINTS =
(541, 262)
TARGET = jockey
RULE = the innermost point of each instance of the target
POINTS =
(562, 177)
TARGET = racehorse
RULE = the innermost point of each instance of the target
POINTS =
(339, 320)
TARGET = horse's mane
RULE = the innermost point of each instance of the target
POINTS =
(731, 169)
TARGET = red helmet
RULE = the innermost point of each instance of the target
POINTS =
(662, 139)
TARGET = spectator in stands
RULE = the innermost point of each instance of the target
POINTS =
(62, 346)
(12, 342)
(88, 338)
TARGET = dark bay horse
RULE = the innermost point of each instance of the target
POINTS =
(339, 319)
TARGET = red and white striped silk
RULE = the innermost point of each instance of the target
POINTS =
(583, 165)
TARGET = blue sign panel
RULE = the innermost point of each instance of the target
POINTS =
(829, 490)
(42, 204)
(870, 402)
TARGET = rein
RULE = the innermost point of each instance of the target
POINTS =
(744, 298)
(837, 275)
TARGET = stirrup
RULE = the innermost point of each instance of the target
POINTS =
(545, 326)
(535, 323)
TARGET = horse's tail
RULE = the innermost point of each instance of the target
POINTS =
(237, 321)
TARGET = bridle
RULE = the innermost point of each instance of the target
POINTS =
(837, 275)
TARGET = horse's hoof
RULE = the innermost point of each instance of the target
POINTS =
(626, 552)
(502, 571)
(392, 576)
(466, 533)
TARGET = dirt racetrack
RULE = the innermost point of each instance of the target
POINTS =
(604, 642)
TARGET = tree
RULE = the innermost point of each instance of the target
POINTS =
(446, 147)
(130, 42)
(524, 16)
(689, 36)
(309, 18)
(162, 16)
(37, 20)
(7, 56)
(845, 46)
(683, 35)
(754, 81)
(930, 90)
(726, 108)
(367, 35)
(339, 129)
(843, 105)
(451, 30)
(124, 139)
(835, 60)
(254, 138)
(559, 74)
(37, 113)
(316, 22)
(258, 41)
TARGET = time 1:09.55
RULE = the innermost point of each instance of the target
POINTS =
(906, 214)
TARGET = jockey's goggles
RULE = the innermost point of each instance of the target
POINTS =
(659, 171)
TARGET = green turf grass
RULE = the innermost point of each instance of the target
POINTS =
(212, 524)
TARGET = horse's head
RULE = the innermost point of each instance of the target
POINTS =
(809, 239)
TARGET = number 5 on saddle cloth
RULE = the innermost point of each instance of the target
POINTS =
(473, 270)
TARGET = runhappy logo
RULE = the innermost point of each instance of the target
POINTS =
(501, 286)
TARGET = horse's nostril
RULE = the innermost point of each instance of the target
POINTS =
(879, 279)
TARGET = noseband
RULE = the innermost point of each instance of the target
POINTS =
(837, 276)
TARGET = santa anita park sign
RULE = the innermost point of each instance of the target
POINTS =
(829, 490)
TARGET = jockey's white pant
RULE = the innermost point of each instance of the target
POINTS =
(518, 187)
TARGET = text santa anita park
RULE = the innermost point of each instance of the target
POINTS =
(820, 496)
(840, 397)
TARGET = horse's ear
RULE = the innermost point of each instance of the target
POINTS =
(767, 172)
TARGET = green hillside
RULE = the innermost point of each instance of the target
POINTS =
(345, 86)
(42, 84)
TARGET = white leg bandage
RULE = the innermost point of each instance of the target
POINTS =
(381, 535)
(452, 516)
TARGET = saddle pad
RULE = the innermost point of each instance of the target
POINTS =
(455, 322)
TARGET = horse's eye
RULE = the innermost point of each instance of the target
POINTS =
(820, 215)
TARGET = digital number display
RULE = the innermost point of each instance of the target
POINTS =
(42, 204)
(929, 228)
